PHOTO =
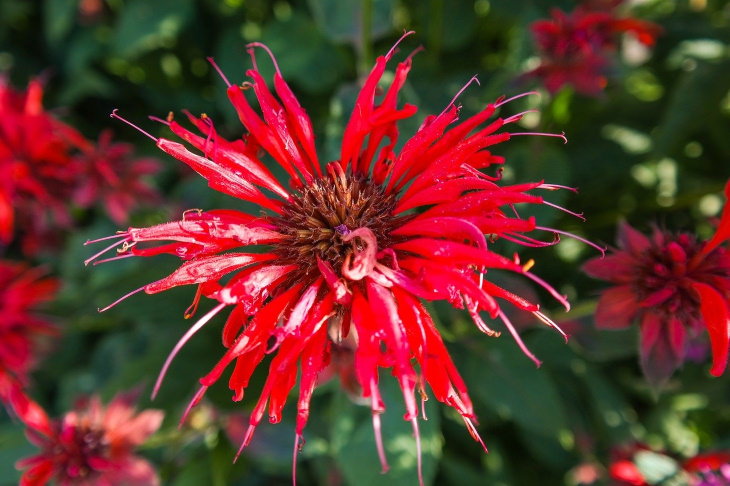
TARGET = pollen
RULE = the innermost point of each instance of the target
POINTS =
(318, 217)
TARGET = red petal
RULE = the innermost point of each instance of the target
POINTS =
(227, 153)
(716, 316)
(618, 267)
(617, 307)
(657, 357)
(384, 305)
(272, 111)
(259, 130)
(206, 269)
(456, 253)
(314, 358)
(218, 176)
(453, 228)
(631, 239)
(254, 337)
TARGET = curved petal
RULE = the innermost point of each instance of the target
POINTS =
(632, 240)
(616, 308)
(657, 357)
(716, 315)
(617, 268)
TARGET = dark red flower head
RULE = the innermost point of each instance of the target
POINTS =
(109, 173)
(576, 48)
(45, 165)
(92, 445)
(36, 168)
(674, 287)
(349, 248)
(22, 290)
(709, 469)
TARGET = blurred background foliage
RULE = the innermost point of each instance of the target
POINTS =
(653, 149)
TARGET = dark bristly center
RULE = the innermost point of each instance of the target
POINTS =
(88, 444)
(319, 215)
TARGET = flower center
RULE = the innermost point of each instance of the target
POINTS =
(319, 216)
(666, 275)
(80, 452)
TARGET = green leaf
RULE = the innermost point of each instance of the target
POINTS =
(353, 444)
(507, 382)
(59, 16)
(145, 25)
(609, 407)
(694, 99)
(13, 446)
(304, 55)
(342, 21)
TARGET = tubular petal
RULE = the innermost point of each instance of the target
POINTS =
(716, 314)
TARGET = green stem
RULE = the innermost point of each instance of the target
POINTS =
(366, 37)
(435, 28)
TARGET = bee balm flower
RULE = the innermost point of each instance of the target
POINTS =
(36, 168)
(45, 163)
(351, 248)
(91, 445)
(576, 48)
(674, 287)
(22, 289)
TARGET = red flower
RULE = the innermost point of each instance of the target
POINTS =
(709, 469)
(91, 446)
(576, 48)
(22, 289)
(707, 461)
(625, 472)
(109, 173)
(352, 248)
(673, 286)
(36, 168)
(45, 163)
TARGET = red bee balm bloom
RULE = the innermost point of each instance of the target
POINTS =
(36, 167)
(21, 290)
(91, 446)
(113, 176)
(575, 48)
(672, 285)
(351, 249)
(45, 163)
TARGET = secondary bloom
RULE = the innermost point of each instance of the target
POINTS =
(349, 249)
(92, 445)
(629, 468)
(46, 164)
(109, 173)
(22, 289)
(36, 172)
(674, 287)
(576, 48)
(709, 469)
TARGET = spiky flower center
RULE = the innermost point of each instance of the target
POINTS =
(666, 276)
(319, 216)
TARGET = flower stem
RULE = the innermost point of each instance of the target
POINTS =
(366, 37)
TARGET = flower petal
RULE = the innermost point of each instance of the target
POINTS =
(657, 357)
(716, 316)
(632, 240)
(617, 307)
